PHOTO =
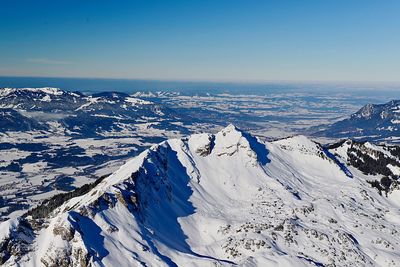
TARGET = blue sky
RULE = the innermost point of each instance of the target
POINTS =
(219, 40)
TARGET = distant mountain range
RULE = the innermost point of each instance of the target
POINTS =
(224, 199)
(75, 113)
(373, 122)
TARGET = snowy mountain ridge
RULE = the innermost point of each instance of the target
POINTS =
(221, 199)
(75, 113)
(45, 90)
(36, 98)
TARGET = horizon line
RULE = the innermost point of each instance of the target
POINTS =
(221, 81)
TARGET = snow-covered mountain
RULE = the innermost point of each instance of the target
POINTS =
(39, 99)
(77, 114)
(373, 122)
(222, 200)
(55, 99)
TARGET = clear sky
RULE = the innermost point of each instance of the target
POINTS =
(217, 40)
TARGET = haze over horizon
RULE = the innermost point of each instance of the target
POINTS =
(226, 41)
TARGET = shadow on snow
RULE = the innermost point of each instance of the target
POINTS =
(164, 198)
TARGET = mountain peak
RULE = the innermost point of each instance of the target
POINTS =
(173, 206)
(231, 127)
(230, 140)
(230, 132)
(366, 111)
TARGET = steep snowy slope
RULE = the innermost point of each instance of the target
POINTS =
(218, 200)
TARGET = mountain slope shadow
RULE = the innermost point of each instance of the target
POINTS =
(91, 235)
(259, 148)
(163, 193)
(342, 166)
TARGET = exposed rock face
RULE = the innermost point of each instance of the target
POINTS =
(224, 199)
(16, 239)
(205, 144)
(65, 232)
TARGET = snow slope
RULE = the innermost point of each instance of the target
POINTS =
(227, 199)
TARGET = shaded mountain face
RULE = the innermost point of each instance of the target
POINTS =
(12, 120)
(222, 200)
(372, 122)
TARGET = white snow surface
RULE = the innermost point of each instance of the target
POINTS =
(45, 90)
(227, 199)
(137, 101)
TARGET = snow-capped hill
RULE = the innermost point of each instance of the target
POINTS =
(117, 102)
(136, 101)
(158, 94)
(122, 98)
(54, 99)
(144, 94)
(372, 122)
(45, 90)
(217, 200)
(38, 99)
(100, 114)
